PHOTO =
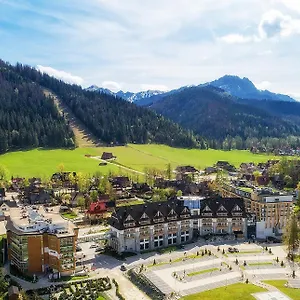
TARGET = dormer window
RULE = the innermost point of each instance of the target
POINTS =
(129, 218)
(158, 217)
(158, 214)
(222, 208)
(206, 208)
(172, 215)
(206, 211)
(144, 219)
(144, 216)
(185, 213)
(237, 208)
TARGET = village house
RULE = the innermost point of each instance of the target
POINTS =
(107, 156)
(225, 165)
(62, 179)
(101, 209)
(120, 182)
(183, 172)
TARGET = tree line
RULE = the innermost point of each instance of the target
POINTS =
(28, 119)
(111, 119)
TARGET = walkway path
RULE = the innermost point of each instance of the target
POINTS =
(118, 165)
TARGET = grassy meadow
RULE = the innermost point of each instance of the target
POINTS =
(44, 162)
(237, 291)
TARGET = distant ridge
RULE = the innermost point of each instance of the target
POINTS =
(239, 87)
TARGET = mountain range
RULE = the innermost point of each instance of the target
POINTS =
(228, 112)
(190, 117)
(242, 88)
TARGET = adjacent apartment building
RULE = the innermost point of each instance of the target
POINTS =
(39, 241)
(160, 224)
(271, 207)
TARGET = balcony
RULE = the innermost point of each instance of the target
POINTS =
(66, 249)
(158, 220)
(144, 222)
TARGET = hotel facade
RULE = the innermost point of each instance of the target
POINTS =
(41, 242)
(161, 224)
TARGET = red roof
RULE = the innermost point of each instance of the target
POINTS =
(97, 207)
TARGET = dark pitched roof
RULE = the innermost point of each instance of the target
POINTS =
(186, 169)
(9, 203)
(230, 205)
(107, 155)
(139, 215)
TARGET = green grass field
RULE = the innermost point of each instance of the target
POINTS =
(202, 272)
(43, 163)
(292, 293)
(238, 291)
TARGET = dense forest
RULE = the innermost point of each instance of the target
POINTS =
(28, 119)
(224, 121)
(111, 119)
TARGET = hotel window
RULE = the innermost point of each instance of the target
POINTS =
(172, 238)
(144, 244)
(184, 236)
(158, 241)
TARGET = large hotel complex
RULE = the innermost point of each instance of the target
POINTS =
(39, 241)
(161, 224)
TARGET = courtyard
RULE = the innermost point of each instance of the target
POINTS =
(212, 267)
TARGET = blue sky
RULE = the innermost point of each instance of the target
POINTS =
(156, 44)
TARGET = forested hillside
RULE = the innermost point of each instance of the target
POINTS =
(222, 119)
(113, 120)
(28, 119)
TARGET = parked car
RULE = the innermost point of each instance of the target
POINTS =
(78, 248)
(99, 249)
(123, 268)
(93, 246)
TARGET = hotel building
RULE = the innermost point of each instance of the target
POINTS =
(39, 241)
(161, 224)
(271, 207)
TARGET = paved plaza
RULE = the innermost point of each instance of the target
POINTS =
(202, 273)
(271, 296)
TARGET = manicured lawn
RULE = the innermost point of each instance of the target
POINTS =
(260, 264)
(238, 291)
(72, 278)
(292, 293)
(44, 162)
(127, 203)
(202, 272)
(69, 215)
(246, 189)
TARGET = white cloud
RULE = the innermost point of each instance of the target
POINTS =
(272, 24)
(236, 39)
(291, 4)
(264, 85)
(265, 53)
(62, 75)
(153, 87)
(111, 85)
(275, 23)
